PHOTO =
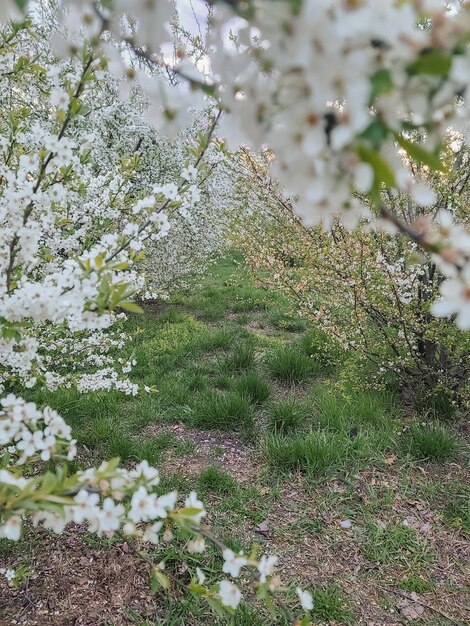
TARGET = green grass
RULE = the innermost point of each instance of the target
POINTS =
(252, 385)
(319, 347)
(151, 449)
(430, 443)
(211, 371)
(306, 525)
(435, 404)
(353, 409)
(214, 480)
(329, 605)
(313, 454)
(214, 376)
(285, 320)
(241, 359)
(397, 545)
(416, 583)
(287, 416)
(290, 365)
(222, 337)
(223, 411)
(457, 514)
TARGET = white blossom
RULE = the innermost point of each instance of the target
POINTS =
(229, 594)
(233, 563)
(306, 600)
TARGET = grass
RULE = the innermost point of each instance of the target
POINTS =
(290, 365)
(338, 409)
(287, 416)
(232, 357)
(435, 404)
(329, 605)
(321, 349)
(241, 359)
(252, 385)
(397, 544)
(430, 443)
(457, 513)
(305, 526)
(286, 320)
(416, 583)
(223, 411)
(312, 454)
(213, 480)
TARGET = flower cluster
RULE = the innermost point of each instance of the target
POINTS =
(26, 432)
(91, 216)
(453, 259)
(345, 105)
(108, 498)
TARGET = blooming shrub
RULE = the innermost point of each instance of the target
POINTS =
(367, 290)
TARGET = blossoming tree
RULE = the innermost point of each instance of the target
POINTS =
(334, 94)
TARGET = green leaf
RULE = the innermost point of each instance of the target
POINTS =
(49, 483)
(197, 589)
(11, 333)
(112, 464)
(158, 579)
(153, 583)
(189, 511)
(375, 133)
(208, 89)
(382, 170)
(127, 305)
(432, 63)
(381, 82)
(75, 106)
(218, 608)
(419, 154)
(21, 4)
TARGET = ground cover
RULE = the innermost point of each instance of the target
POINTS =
(366, 505)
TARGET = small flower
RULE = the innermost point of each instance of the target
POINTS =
(9, 573)
(86, 506)
(110, 516)
(59, 98)
(201, 577)
(189, 173)
(305, 598)
(151, 533)
(266, 567)
(196, 546)
(129, 529)
(12, 528)
(229, 594)
(233, 563)
(192, 502)
(144, 470)
(72, 450)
